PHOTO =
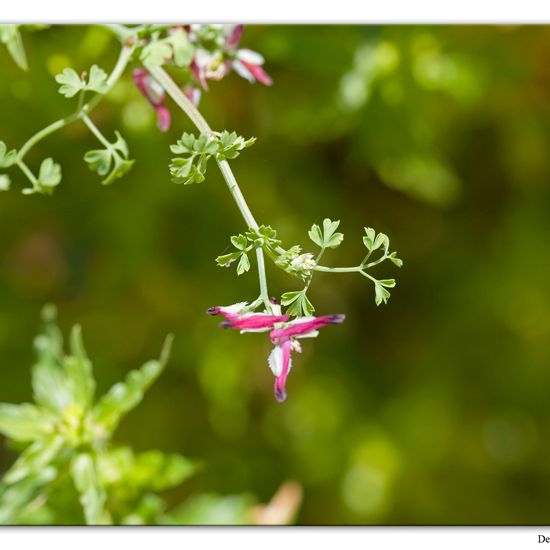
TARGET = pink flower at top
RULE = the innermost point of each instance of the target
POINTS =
(284, 334)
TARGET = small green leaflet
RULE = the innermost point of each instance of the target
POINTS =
(299, 305)
(241, 244)
(11, 37)
(7, 158)
(175, 46)
(72, 83)
(327, 237)
(381, 292)
(111, 162)
(191, 168)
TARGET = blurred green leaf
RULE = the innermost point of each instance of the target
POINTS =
(35, 457)
(11, 37)
(92, 496)
(210, 509)
(24, 422)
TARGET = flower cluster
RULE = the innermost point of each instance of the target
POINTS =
(209, 52)
(283, 332)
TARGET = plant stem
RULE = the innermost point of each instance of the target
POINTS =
(95, 130)
(173, 90)
(338, 269)
(122, 62)
(26, 170)
(263, 280)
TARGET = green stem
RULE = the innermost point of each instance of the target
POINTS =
(26, 170)
(122, 61)
(95, 130)
(263, 280)
(338, 269)
(174, 91)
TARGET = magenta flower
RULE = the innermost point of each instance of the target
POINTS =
(280, 360)
(249, 322)
(154, 93)
(283, 333)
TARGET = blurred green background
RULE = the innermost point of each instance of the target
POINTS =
(432, 409)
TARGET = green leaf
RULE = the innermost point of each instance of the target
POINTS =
(70, 81)
(10, 36)
(121, 167)
(51, 387)
(368, 240)
(129, 473)
(244, 264)
(15, 497)
(395, 260)
(111, 162)
(49, 175)
(316, 235)
(157, 52)
(4, 182)
(184, 144)
(182, 48)
(327, 237)
(239, 242)
(7, 158)
(227, 259)
(24, 422)
(298, 302)
(97, 81)
(34, 458)
(78, 369)
(264, 235)
(381, 294)
(98, 160)
(92, 496)
(124, 396)
(373, 241)
(230, 145)
(211, 509)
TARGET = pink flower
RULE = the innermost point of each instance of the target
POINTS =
(280, 360)
(248, 64)
(249, 322)
(283, 333)
(154, 93)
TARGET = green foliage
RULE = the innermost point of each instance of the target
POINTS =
(67, 434)
(211, 509)
(241, 244)
(112, 162)
(264, 236)
(175, 47)
(7, 158)
(11, 37)
(191, 168)
(326, 237)
(298, 302)
(374, 242)
(72, 83)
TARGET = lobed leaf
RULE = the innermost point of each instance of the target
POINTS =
(25, 422)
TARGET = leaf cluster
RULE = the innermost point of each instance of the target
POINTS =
(112, 162)
(197, 151)
(66, 437)
(72, 83)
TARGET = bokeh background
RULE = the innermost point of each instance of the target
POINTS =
(431, 409)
